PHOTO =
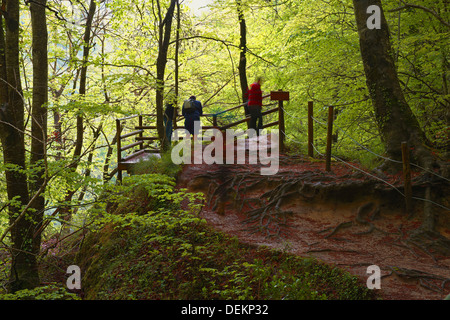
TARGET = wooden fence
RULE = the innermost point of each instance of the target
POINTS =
(137, 139)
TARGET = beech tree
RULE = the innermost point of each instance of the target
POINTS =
(242, 67)
(164, 32)
(80, 125)
(22, 222)
(39, 114)
(396, 121)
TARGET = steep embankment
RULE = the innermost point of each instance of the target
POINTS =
(160, 250)
(345, 218)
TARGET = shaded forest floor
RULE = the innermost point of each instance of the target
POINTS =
(344, 218)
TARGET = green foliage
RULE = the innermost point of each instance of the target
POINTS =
(5, 262)
(51, 291)
(171, 253)
(142, 195)
(158, 164)
(314, 54)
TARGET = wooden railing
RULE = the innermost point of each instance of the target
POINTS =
(140, 146)
(136, 147)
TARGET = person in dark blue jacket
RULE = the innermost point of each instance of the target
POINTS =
(192, 110)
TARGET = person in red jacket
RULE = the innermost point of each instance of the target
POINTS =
(255, 105)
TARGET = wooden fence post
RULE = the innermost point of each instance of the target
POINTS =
(407, 178)
(141, 134)
(119, 147)
(281, 124)
(329, 138)
(310, 129)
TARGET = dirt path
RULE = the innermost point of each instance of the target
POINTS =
(408, 272)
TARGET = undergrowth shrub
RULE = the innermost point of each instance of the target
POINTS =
(161, 164)
(52, 291)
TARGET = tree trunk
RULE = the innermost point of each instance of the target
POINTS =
(3, 79)
(165, 28)
(177, 64)
(24, 271)
(83, 78)
(66, 213)
(395, 120)
(39, 110)
(394, 117)
(242, 56)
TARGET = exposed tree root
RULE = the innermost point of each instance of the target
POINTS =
(365, 214)
(430, 241)
(427, 241)
(333, 250)
(341, 225)
(266, 200)
(425, 279)
(264, 214)
(246, 191)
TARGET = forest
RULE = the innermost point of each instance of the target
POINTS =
(364, 165)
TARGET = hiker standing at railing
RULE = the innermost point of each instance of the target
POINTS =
(255, 105)
(192, 110)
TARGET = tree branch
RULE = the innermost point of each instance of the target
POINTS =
(224, 42)
(416, 6)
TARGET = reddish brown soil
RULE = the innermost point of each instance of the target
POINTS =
(346, 249)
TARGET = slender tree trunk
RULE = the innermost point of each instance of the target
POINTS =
(87, 173)
(177, 65)
(394, 117)
(24, 271)
(83, 78)
(242, 54)
(39, 110)
(3, 79)
(66, 213)
(106, 176)
(165, 28)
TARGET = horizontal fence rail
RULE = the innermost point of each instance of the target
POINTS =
(133, 143)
